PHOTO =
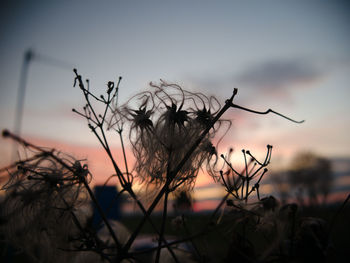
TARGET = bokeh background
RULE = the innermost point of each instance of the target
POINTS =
(291, 56)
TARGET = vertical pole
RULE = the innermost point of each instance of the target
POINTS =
(28, 56)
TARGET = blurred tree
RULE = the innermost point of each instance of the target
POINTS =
(280, 182)
(311, 174)
(183, 201)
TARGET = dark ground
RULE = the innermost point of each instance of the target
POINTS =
(215, 244)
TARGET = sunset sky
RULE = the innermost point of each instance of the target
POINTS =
(291, 56)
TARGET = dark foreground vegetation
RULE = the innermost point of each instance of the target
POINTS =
(49, 210)
(215, 247)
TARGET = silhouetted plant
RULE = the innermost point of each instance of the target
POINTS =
(170, 130)
(44, 202)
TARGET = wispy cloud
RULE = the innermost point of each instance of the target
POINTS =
(279, 75)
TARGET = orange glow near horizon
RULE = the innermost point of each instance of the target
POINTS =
(207, 194)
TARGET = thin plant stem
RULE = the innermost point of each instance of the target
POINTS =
(189, 234)
(178, 168)
(124, 183)
(223, 200)
(265, 112)
(102, 214)
(335, 217)
(246, 176)
(124, 155)
(161, 234)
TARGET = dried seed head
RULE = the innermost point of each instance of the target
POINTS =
(43, 200)
(168, 122)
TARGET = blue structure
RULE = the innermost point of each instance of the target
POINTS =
(109, 201)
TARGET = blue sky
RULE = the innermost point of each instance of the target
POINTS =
(292, 56)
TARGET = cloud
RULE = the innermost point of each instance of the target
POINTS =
(270, 83)
(279, 75)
